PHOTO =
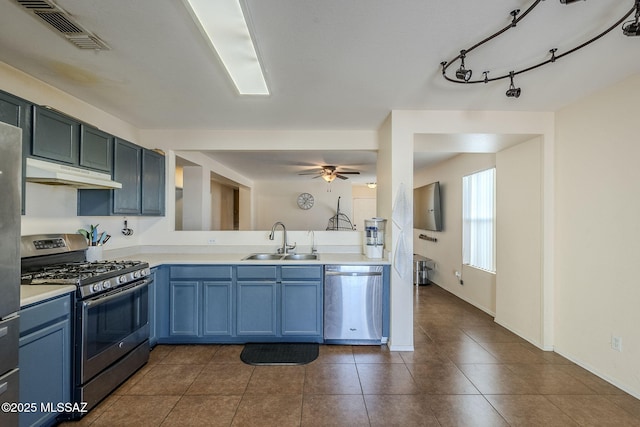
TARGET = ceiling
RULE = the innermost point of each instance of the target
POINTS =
(330, 64)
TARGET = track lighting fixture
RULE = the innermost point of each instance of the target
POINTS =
(462, 75)
(513, 92)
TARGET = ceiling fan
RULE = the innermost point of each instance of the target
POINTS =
(329, 173)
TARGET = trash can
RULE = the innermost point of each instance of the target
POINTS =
(421, 267)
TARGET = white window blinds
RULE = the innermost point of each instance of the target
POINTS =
(478, 220)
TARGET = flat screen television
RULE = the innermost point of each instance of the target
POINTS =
(427, 214)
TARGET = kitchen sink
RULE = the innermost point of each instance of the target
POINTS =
(265, 256)
(301, 257)
(280, 257)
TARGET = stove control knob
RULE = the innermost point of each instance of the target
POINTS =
(144, 272)
(106, 284)
(136, 274)
(97, 287)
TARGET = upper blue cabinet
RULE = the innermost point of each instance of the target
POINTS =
(96, 149)
(153, 178)
(55, 136)
(128, 172)
(63, 139)
(142, 175)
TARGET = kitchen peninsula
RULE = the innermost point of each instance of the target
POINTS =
(221, 298)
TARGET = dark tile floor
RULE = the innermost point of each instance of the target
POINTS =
(465, 371)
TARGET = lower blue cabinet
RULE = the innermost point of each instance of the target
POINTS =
(184, 308)
(257, 308)
(217, 309)
(240, 303)
(45, 358)
(301, 313)
(200, 309)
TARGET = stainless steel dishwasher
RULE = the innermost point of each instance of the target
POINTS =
(353, 304)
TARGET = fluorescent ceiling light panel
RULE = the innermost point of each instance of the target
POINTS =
(224, 25)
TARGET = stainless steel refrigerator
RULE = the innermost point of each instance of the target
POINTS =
(10, 187)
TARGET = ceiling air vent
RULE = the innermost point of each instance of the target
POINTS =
(59, 20)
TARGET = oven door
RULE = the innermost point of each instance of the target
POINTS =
(110, 326)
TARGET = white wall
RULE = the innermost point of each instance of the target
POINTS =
(52, 209)
(277, 201)
(24, 86)
(411, 124)
(479, 286)
(519, 211)
(598, 233)
(395, 179)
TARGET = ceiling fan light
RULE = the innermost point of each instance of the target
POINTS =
(329, 177)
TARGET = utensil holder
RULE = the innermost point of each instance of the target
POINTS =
(94, 253)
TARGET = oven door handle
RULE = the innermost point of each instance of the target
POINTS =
(110, 297)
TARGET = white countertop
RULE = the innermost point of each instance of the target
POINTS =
(156, 259)
(31, 294)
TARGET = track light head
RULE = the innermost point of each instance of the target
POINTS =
(632, 29)
(513, 92)
(462, 73)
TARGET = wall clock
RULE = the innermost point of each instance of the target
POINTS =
(305, 201)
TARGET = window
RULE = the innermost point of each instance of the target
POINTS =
(479, 220)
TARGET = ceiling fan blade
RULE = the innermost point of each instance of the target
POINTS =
(311, 173)
(349, 173)
(341, 176)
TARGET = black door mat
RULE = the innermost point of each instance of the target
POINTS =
(279, 353)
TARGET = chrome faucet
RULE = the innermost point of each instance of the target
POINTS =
(313, 241)
(285, 246)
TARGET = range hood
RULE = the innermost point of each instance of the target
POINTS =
(50, 173)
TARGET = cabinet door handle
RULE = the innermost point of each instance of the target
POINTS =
(3, 331)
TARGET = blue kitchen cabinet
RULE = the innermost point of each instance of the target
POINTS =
(63, 139)
(153, 178)
(142, 175)
(161, 307)
(127, 170)
(56, 137)
(256, 303)
(257, 309)
(238, 303)
(279, 303)
(200, 304)
(217, 309)
(96, 149)
(45, 358)
(301, 296)
(184, 300)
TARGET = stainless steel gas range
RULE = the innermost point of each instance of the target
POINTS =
(111, 326)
